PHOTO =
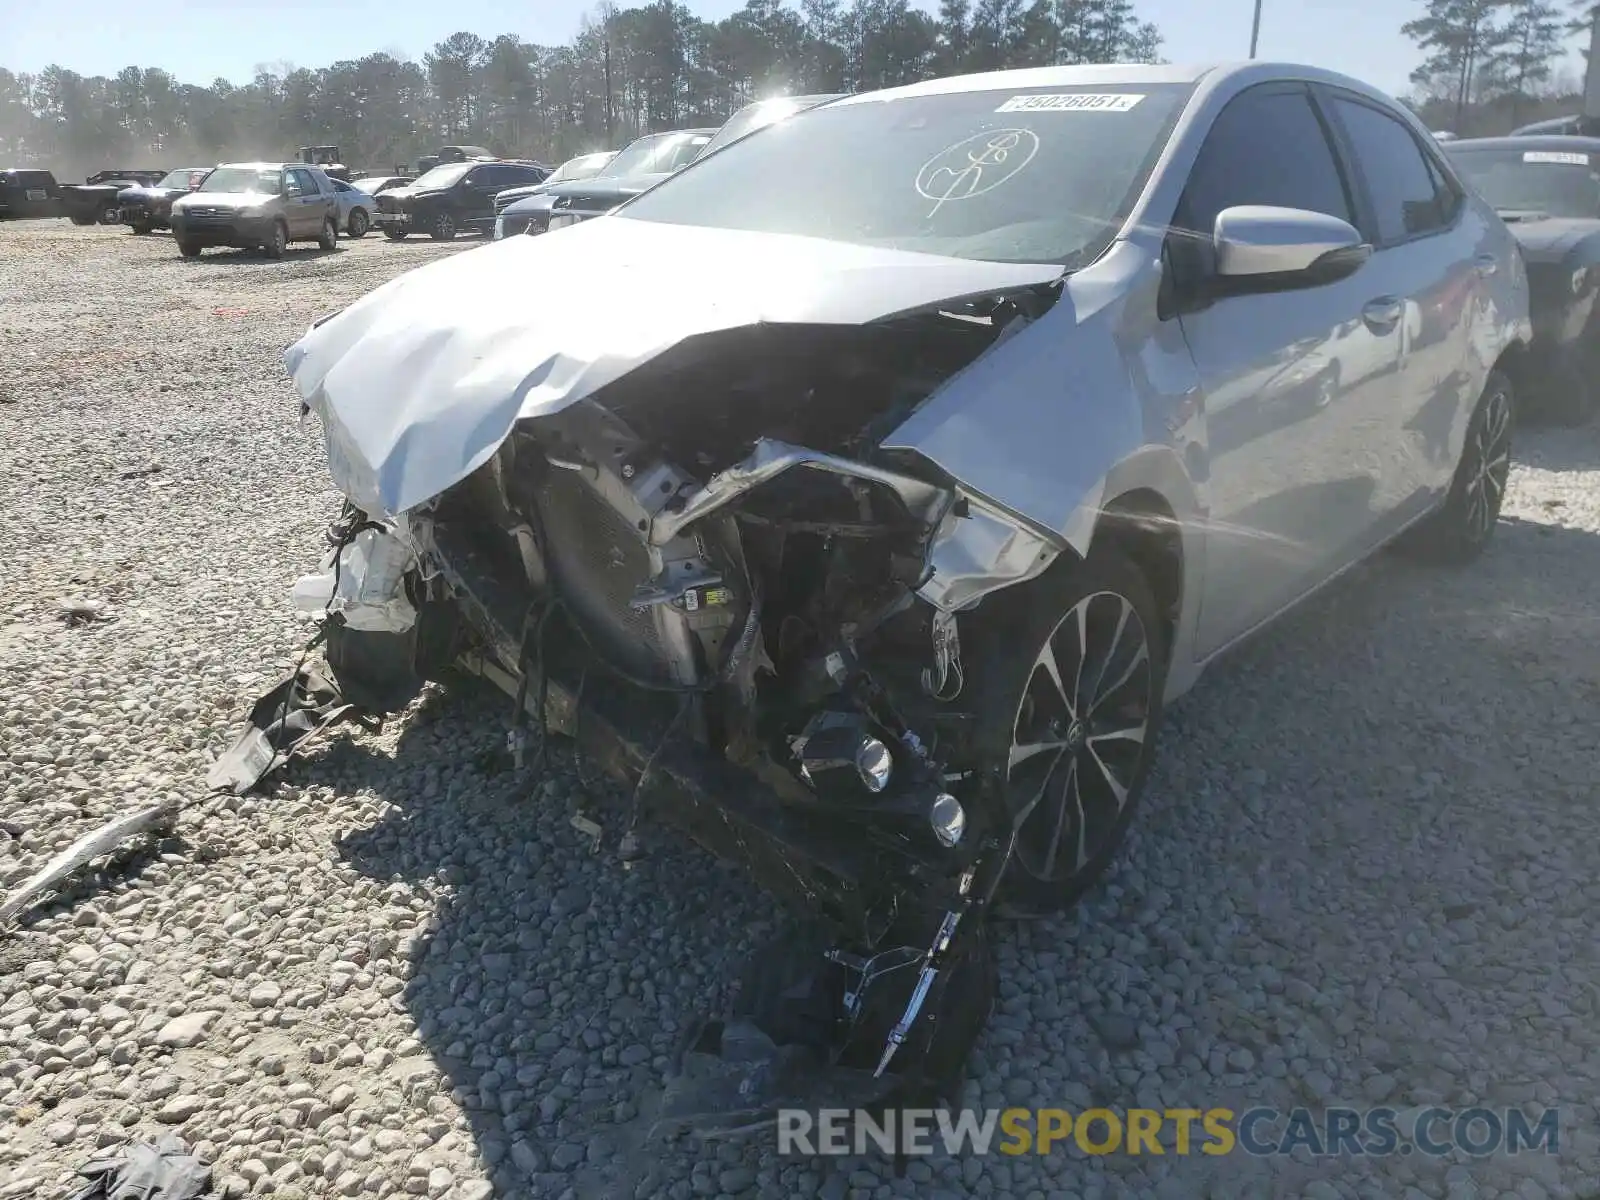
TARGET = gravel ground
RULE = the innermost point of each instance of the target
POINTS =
(1360, 876)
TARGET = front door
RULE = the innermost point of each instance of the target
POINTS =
(1297, 383)
(305, 202)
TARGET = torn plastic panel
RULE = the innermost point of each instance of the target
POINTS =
(362, 582)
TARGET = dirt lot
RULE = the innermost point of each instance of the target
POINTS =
(1364, 874)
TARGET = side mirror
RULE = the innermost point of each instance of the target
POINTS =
(1285, 246)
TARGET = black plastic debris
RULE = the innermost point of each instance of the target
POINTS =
(163, 1171)
(280, 723)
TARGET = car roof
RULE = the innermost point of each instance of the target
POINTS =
(267, 166)
(1114, 74)
(1548, 141)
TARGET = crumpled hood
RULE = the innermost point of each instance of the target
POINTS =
(1551, 239)
(420, 381)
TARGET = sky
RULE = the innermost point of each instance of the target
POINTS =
(199, 40)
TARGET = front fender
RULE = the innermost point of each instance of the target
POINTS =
(1094, 398)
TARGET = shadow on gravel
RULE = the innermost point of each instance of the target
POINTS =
(553, 985)
(233, 256)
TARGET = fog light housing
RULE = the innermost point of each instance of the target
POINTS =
(948, 818)
(874, 764)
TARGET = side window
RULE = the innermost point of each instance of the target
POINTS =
(1406, 199)
(298, 183)
(1267, 146)
(1448, 195)
(480, 177)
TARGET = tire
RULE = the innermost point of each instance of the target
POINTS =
(275, 245)
(110, 215)
(395, 233)
(142, 226)
(189, 249)
(1460, 530)
(443, 228)
(328, 239)
(1094, 735)
(358, 224)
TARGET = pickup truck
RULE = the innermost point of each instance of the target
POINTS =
(25, 192)
(95, 199)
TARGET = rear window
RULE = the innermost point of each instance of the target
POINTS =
(30, 179)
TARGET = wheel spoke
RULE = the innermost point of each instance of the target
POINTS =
(1047, 660)
(1139, 659)
(1123, 612)
(1081, 612)
(1053, 847)
(1118, 791)
(1038, 794)
(1082, 854)
(1133, 733)
(1023, 751)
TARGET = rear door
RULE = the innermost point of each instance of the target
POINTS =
(1428, 246)
(1295, 381)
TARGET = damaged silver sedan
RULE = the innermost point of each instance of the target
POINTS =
(866, 515)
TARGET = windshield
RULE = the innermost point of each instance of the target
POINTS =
(176, 179)
(443, 177)
(753, 117)
(242, 179)
(657, 153)
(1562, 183)
(585, 166)
(1043, 177)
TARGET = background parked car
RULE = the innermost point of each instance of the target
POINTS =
(1576, 126)
(642, 164)
(761, 113)
(145, 208)
(448, 198)
(1547, 190)
(257, 205)
(26, 192)
(95, 200)
(584, 166)
(373, 185)
(355, 208)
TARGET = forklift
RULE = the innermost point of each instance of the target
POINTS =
(326, 157)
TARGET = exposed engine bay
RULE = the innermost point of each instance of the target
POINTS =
(743, 608)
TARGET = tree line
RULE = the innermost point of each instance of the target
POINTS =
(1489, 65)
(628, 71)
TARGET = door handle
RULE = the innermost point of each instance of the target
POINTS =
(1487, 264)
(1383, 313)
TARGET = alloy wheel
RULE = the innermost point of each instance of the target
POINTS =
(1079, 736)
(1490, 465)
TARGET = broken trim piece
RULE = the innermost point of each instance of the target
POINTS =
(978, 550)
(772, 458)
(156, 818)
